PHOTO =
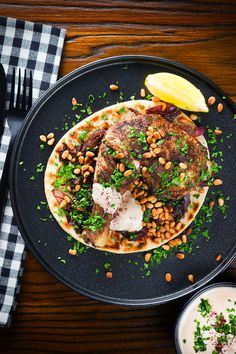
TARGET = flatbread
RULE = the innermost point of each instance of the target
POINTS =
(103, 119)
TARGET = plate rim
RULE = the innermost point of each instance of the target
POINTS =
(31, 115)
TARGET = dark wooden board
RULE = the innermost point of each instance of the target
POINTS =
(51, 318)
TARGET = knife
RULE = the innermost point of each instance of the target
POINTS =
(3, 95)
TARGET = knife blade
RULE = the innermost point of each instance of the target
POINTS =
(3, 95)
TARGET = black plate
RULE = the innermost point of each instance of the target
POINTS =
(48, 241)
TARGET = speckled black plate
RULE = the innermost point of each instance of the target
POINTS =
(48, 241)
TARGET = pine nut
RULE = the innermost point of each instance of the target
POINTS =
(91, 169)
(166, 247)
(217, 182)
(157, 150)
(193, 116)
(50, 136)
(153, 145)
(184, 238)
(120, 155)
(162, 160)
(113, 87)
(143, 201)
(69, 157)
(76, 171)
(161, 132)
(154, 212)
(168, 277)
(147, 257)
(43, 138)
(144, 170)
(81, 160)
(180, 255)
(62, 204)
(143, 207)
(218, 132)
(72, 252)
(221, 202)
(89, 154)
(142, 92)
(77, 187)
(149, 206)
(156, 135)
(150, 128)
(191, 278)
(218, 258)
(70, 145)
(109, 275)
(73, 160)
(74, 101)
(86, 174)
(168, 165)
(167, 235)
(147, 155)
(220, 107)
(87, 160)
(122, 167)
(172, 231)
(127, 173)
(152, 199)
(84, 168)
(154, 224)
(182, 165)
(148, 133)
(149, 139)
(51, 141)
(65, 154)
(166, 215)
(145, 186)
(158, 204)
(182, 176)
(211, 100)
(68, 188)
(67, 199)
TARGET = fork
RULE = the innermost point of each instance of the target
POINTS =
(15, 116)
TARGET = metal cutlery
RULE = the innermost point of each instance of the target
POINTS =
(15, 116)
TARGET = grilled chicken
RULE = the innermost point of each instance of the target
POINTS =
(177, 164)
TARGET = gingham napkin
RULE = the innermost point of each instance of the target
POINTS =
(36, 47)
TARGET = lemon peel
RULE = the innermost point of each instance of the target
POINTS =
(176, 90)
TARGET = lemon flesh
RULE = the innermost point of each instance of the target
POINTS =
(176, 90)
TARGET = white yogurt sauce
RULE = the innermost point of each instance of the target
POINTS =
(218, 298)
(128, 214)
(108, 198)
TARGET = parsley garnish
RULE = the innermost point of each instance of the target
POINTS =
(204, 307)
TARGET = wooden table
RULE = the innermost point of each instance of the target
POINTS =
(51, 318)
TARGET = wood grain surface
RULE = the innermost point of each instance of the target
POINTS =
(50, 318)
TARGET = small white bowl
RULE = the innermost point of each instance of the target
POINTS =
(218, 295)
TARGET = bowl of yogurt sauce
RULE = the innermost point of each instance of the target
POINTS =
(207, 323)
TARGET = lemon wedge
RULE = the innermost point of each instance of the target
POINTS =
(176, 90)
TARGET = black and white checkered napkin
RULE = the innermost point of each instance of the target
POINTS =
(36, 47)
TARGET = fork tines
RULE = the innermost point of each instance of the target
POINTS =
(25, 102)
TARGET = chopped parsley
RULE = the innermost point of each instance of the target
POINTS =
(199, 339)
(95, 222)
(204, 307)
(122, 110)
(83, 135)
(40, 167)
